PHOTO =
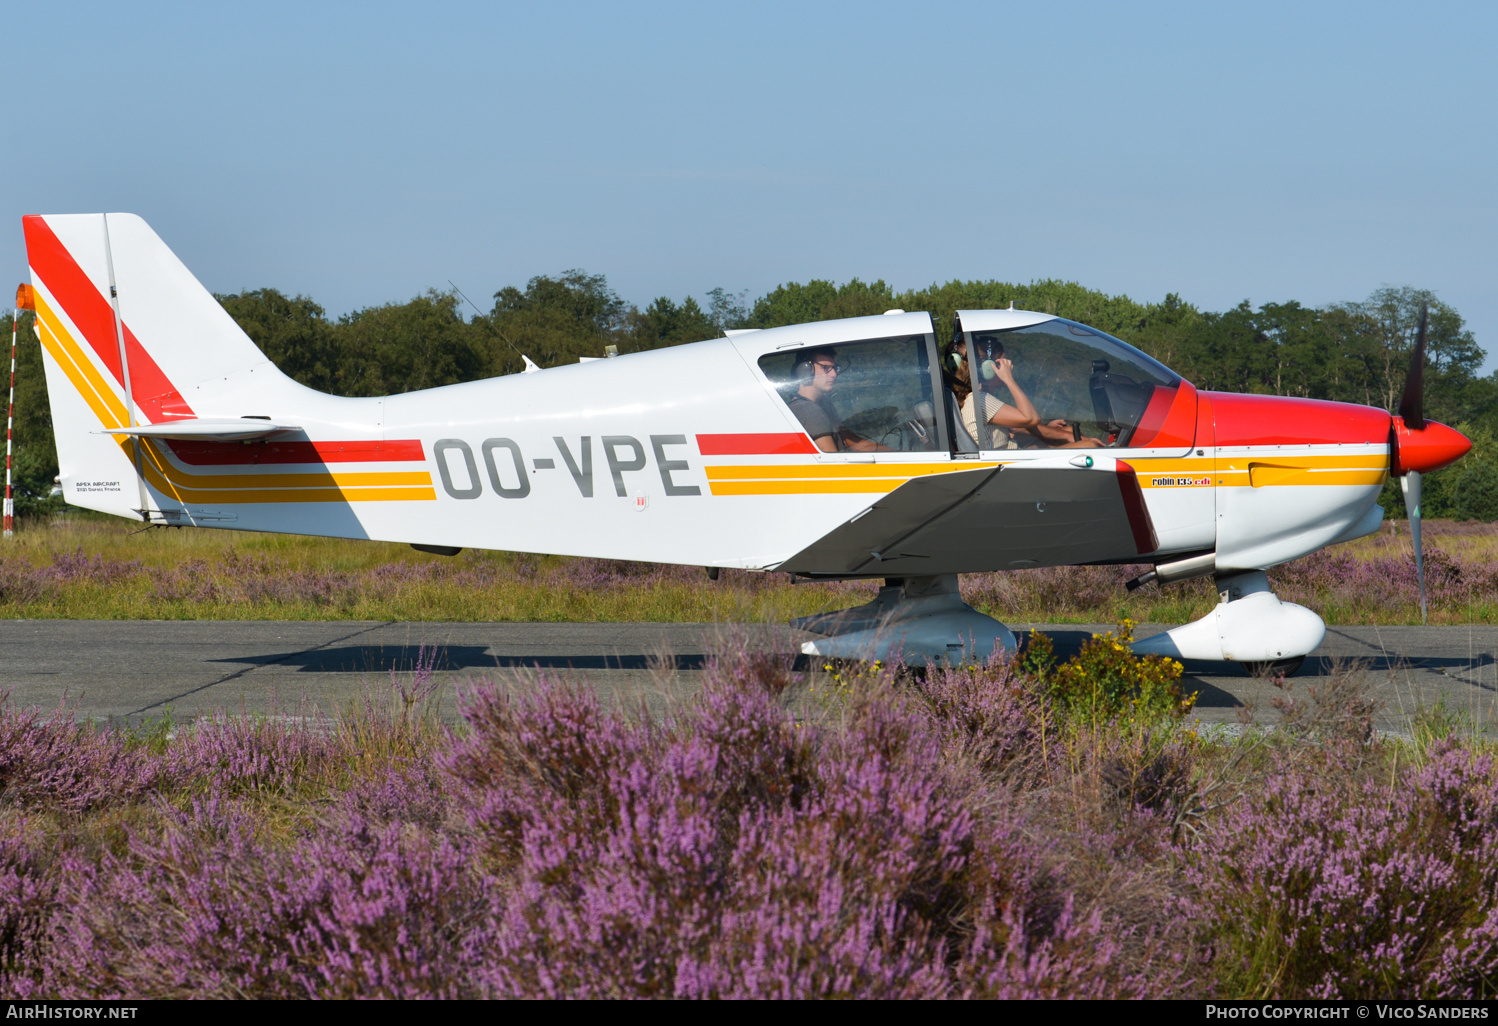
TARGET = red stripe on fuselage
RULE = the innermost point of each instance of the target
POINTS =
(1285, 420)
(237, 454)
(788, 444)
(155, 396)
(1141, 525)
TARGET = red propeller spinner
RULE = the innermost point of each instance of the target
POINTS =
(1426, 448)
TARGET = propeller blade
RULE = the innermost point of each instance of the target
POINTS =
(1410, 485)
(1412, 403)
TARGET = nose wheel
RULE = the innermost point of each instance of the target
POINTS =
(1274, 667)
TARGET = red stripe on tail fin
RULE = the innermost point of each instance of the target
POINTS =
(155, 396)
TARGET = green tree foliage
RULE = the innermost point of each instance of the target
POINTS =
(552, 321)
(409, 346)
(819, 300)
(664, 323)
(727, 310)
(293, 333)
(1117, 315)
(1352, 352)
(1386, 325)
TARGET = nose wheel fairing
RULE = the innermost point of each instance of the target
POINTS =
(1250, 625)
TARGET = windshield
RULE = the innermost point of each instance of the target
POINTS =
(1078, 379)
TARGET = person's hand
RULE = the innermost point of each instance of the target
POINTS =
(1004, 370)
(1054, 431)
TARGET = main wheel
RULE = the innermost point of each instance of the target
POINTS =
(1274, 667)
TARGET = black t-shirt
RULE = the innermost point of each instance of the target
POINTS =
(819, 417)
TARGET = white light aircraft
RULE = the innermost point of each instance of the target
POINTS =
(831, 450)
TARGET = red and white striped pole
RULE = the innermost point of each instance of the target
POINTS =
(23, 302)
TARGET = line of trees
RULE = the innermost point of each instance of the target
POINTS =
(402, 347)
(1353, 352)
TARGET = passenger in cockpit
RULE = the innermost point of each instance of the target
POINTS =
(993, 423)
(817, 372)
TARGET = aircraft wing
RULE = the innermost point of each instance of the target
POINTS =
(1050, 512)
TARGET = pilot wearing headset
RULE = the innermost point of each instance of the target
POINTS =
(1001, 421)
(816, 370)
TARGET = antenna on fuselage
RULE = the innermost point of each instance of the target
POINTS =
(525, 361)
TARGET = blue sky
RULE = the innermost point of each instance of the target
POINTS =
(362, 153)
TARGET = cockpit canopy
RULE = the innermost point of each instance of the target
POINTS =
(907, 393)
(1101, 386)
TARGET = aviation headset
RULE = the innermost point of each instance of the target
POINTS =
(805, 369)
(992, 349)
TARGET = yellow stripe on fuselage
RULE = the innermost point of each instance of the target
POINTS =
(1272, 468)
(1291, 478)
(823, 478)
(1268, 467)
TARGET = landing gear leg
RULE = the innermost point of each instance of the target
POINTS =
(1249, 626)
(922, 618)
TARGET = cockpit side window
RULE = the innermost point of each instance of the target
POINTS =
(872, 396)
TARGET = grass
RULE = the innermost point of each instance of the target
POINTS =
(86, 567)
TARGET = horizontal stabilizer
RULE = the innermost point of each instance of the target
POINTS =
(1052, 512)
(206, 429)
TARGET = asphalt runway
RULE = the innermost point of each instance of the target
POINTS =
(137, 670)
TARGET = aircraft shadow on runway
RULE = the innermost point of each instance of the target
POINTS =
(456, 658)
(382, 659)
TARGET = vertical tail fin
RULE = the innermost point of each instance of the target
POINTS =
(105, 286)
